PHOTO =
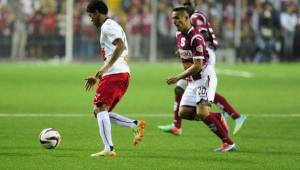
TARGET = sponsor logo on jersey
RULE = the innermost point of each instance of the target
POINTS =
(185, 54)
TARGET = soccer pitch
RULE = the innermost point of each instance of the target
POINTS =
(34, 97)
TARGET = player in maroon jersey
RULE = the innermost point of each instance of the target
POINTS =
(199, 71)
(201, 23)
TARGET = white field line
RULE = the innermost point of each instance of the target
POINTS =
(234, 73)
(16, 115)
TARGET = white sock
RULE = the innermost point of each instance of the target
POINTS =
(105, 129)
(121, 120)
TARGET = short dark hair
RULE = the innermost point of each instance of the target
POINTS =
(97, 5)
(181, 8)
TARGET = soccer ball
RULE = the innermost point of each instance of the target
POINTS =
(50, 138)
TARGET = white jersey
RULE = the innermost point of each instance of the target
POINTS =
(110, 31)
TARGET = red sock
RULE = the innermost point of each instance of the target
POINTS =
(223, 103)
(177, 119)
(215, 125)
(218, 116)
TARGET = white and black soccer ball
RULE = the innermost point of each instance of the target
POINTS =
(50, 138)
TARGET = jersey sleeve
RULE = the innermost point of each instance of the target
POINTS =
(198, 46)
(199, 21)
(112, 33)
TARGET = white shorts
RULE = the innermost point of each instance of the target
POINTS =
(183, 83)
(212, 60)
(202, 89)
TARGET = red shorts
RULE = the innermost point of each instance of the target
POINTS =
(111, 89)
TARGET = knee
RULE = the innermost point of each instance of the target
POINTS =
(100, 108)
(178, 91)
(203, 110)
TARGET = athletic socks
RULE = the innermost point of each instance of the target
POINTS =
(122, 120)
(105, 130)
(177, 119)
(224, 105)
(216, 126)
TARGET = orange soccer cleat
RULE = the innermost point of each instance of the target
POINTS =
(138, 131)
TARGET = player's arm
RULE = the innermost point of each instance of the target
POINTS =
(193, 69)
(200, 22)
(92, 80)
(202, 29)
(120, 46)
(198, 45)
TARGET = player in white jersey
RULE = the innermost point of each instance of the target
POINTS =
(113, 77)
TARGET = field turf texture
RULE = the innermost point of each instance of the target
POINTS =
(38, 96)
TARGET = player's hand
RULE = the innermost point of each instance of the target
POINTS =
(99, 74)
(90, 82)
(172, 80)
(101, 71)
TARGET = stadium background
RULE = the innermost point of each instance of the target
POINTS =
(41, 88)
(257, 31)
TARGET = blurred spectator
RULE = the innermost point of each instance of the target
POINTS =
(247, 46)
(146, 31)
(265, 39)
(19, 37)
(48, 31)
(166, 31)
(6, 19)
(59, 41)
(296, 46)
(87, 45)
(134, 32)
(34, 34)
(288, 20)
(229, 15)
(202, 6)
(76, 27)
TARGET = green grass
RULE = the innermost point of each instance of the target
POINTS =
(264, 142)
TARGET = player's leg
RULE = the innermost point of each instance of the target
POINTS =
(203, 110)
(122, 120)
(205, 92)
(178, 95)
(120, 86)
(106, 93)
(175, 127)
(137, 126)
(226, 107)
(221, 118)
(223, 104)
(101, 113)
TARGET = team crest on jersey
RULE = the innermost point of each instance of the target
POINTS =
(199, 48)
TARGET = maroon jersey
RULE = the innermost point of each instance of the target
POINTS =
(201, 23)
(191, 45)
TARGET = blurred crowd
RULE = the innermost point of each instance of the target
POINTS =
(270, 30)
(37, 29)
